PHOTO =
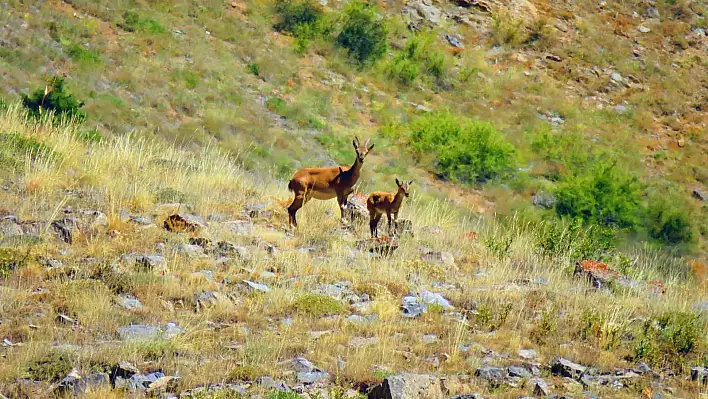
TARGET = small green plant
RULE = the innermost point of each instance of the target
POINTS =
(11, 260)
(546, 327)
(133, 22)
(507, 31)
(671, 338)
(254, 69)
(498, 246)
(54, 98)
(668, 220)
(572, 240)
(420, 55)
(91, 136)
(295, 16)
(486, 317)
(277, 105)
(317, 305)
(461, 149)
(24, 145)
(81, 55)
(363, 33)
(52, 366)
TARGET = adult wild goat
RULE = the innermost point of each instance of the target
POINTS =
(380, 202)
(327, 183)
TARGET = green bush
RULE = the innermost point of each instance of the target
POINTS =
(81, 55)
(91, 136)
(670, 338)
(572, 240)
(297, 16)
(317, 305)
(363, 33)
(602, 194)
(3, 104)
(668, 221)
(419, 55)
(53, 98)
(50, 367)
(132, 22)
(461, 149)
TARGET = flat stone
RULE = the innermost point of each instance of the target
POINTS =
(490, 373)
(527, 354)
(257, 286)
(429, 339)
(408, 386)
(138, 332)
(567, 368)
(129, 303)
(239, 227)
(516, 371)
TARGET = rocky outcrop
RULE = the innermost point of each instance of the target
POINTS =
(408, 386)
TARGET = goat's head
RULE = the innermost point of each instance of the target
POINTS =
(404, 187)
(361, 150)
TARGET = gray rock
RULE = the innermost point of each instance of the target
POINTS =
(527, 354)
(358, 342)
(239, 227)
(616, 77)
(357, 319)
(442, 257)
(423, 10)
(620, 109)
(643, 368)
(75, 385)
(64, 228)
(138, 332)
(269, 383)
(414, 306)
(429, 339)
(700, 194)
(567, 368)
(229, 248)
(307, 373)
(408, 386)
(643, 29)
(171, 330)
(540, 387)
(516, 371)
(699, 374)
(544, 200)
(178, 223)
(150, 262)
(129, 303)
(454, 41)
(142, 220)
(257, 286)
(193, 251)
(468, 396)
(651, 12)
(9, 227)
(490, 373)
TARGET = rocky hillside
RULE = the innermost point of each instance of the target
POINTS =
(553, 245)
(108, 287)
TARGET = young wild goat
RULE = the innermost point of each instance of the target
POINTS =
(327, 183)
(380, 202)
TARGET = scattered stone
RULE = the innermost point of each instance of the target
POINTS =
(307, 373)
(270, 383)
(150, 262)
(490, 373)
(527, 354)
(601, 276)
(567, 368)
(455, 41)
(358, 342)
(10, 227)
(64, 319)
(643, 368)
(429, 339)
(699, 374)
(643, 29)
(616, 77)
(442, 257)
(138, 332)
(123, 370)
(64, 228)
(184, 223)
(544, 200)
(76, 386)
(171, 330)
(257, 286)
(540, 387)
(516, 371)
(193, 251)
(468, 396)
(142, 220)
(620, 109)
(129, 303)
(553, 57)
(239, 227)
(651, 12)
(408, 386)
(700, 194)
(414, 306)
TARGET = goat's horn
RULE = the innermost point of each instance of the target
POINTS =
(356, 138)
(367, 142)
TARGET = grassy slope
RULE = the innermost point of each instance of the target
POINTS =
(242, 335)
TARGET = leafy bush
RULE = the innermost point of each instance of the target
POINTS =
(297, 16)
(461, 149)
(91, 136)
(668, 221)
(420, 55)
(132, 22)
(53, 98)
(363, 34)
(11, 260)
(507, 31)
(79, 54)
(254, 69)
(602, 194)
(572, 240)
(317, 305)
(670, 338)
(50, 367)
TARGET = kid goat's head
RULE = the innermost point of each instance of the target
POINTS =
(403, 186)
(361, 150)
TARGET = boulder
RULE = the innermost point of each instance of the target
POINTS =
(544, 200)
(490, 373)
(516, 371)
(408, 386)
(129, 303)
(76, 386)
(540, 387)
(177, 223)
(700, 194)
(566, 368)
(601, 276)
(355, 209)
(149, 262)
(307, 373)
(700, 374)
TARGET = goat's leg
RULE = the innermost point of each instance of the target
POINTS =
(374, 225)
(388, 216)
(342, 201)
(298, 202)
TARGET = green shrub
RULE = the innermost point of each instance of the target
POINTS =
(317, 305)
(570, 239)
(363, 34)
(50, 367)
(602, 193)
(254, 69)
(461, 149)
(24, 145)
(277, 105)
(488, 318)
(669, 339)
(11, 260)
(79, 54)
(53, 98)
(91, 136)
(419, 55)
(668, 221)
(132, 22)
(296, 16)
(507, 31)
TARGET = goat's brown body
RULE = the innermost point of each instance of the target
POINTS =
(325, 183)
(380, 202)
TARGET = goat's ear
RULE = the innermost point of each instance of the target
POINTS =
(398, 183)
(410, 182)
(354, 144)
(371, 147)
